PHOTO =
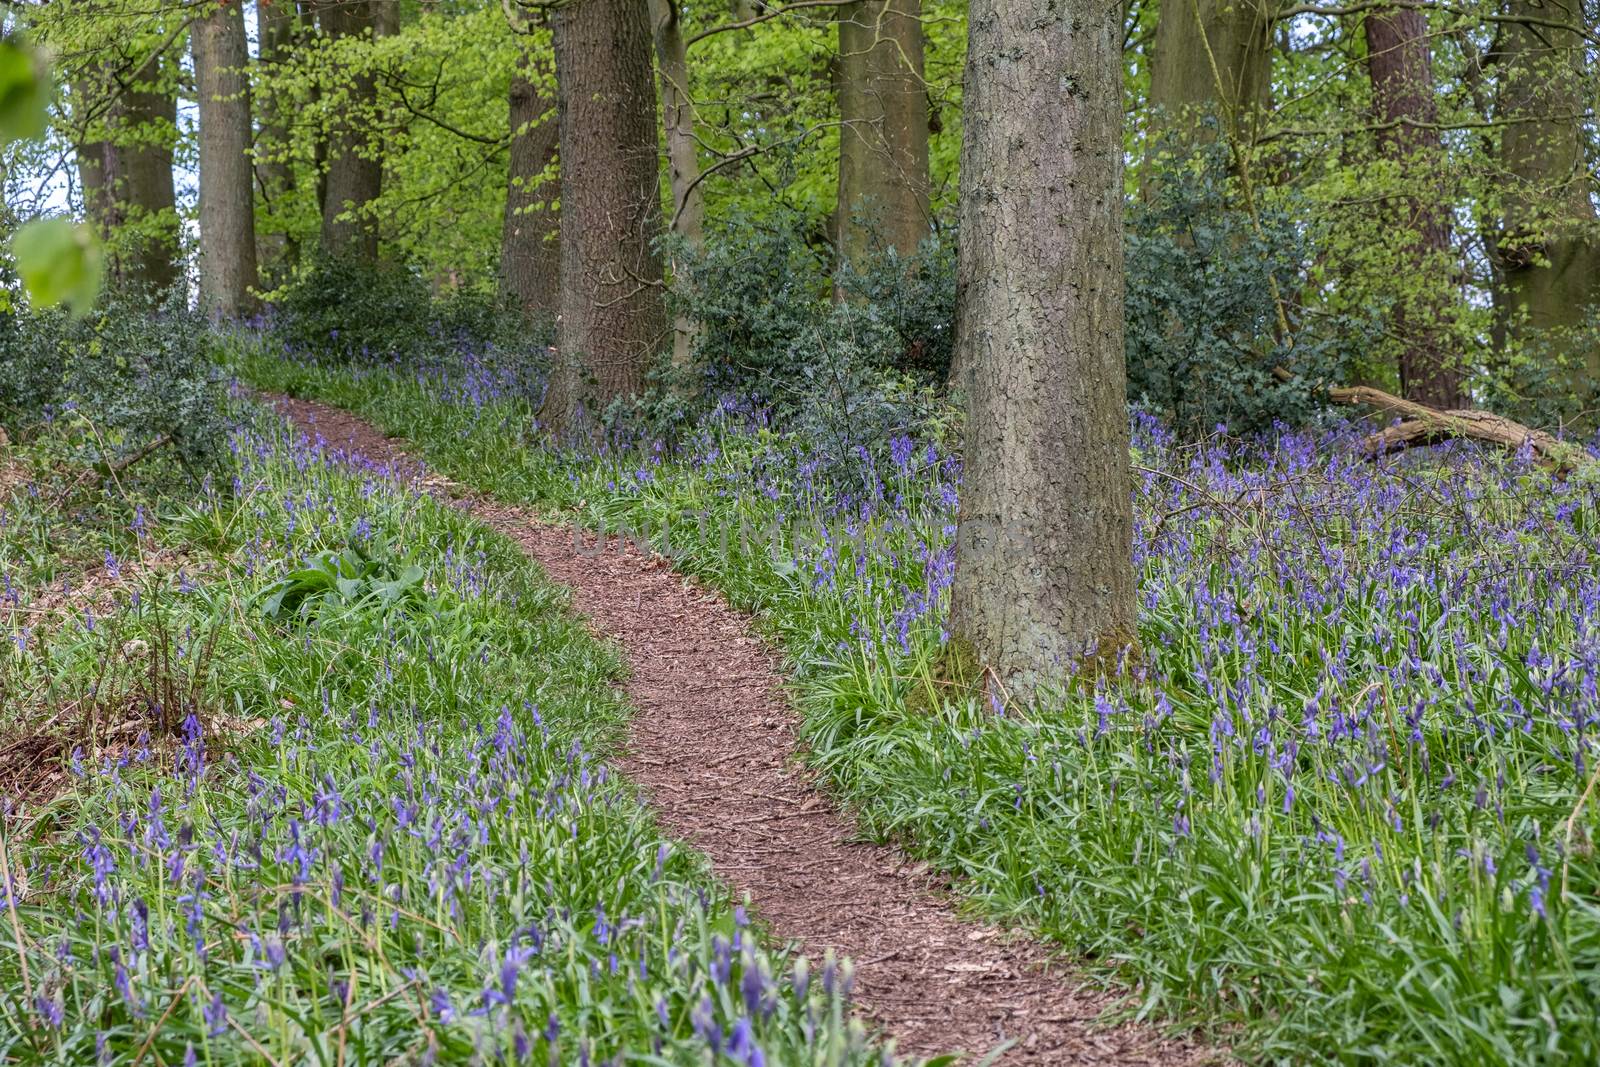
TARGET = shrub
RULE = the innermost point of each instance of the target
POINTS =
(851, 372)
(122, 379)
(1209, 292)
(350, 308)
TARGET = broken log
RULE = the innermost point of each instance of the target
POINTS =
(1423, 425)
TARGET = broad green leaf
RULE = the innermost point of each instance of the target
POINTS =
(59, 262)
(23, 92)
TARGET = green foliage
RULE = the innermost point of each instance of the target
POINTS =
(24, 92)
(1213, 307)
(124, 378)
(349, 311)
(348, 307)
(59, 263)
(365, 575)
(853, 371)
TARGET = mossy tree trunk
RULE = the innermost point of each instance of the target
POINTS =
(227, 260)
(276, 28)
(883, 132)
(1400, 64)
(1550, 251)
(355, 170)
(1044, 573)
(135, 196)
(530, 249)
(1211, 58)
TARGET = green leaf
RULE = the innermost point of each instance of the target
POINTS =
(59, 262)
(23, 92)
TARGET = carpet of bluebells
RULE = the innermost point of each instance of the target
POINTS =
(1342, 801)
(376, 831)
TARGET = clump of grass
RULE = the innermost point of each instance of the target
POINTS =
(1339, 797)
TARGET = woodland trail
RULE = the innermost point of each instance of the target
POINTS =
(712, 747)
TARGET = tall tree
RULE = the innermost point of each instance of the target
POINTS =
(612, 315)
(276, 27)
(1044, 545)
(355, 171)
(1211, 57)
(141, 205)
(1400, 64)
(883, 128)
(1550, 253)
(227, 194)
(683, 150)
(530, 252)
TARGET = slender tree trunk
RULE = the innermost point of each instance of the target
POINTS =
(612, 315)
(530, 250)
(275, 35)
(1211, 56)
(1044, 547)
(355, 171)
(683, 153)
(1550, 254)
(883, 132)
(90, 151)
(1400, 65)
(141, 208)
(227, 197)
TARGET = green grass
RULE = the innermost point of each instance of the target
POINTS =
(363, 823)
(1336, 811)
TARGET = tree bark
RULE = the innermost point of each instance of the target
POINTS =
(683, 152)
(883, 132)
(227, 196)
(355, 170)
(1044, 579)
(530, 250)
(275, 35)
(1211, 56)
(1400, 64)
(140, 205)
(612, 315)
(1550, 254)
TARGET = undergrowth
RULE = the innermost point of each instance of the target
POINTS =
(1343, 803)
(344, 805)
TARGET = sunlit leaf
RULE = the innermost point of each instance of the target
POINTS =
(59, 262)
(23, 92)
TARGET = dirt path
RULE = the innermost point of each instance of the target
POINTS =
(713, 748)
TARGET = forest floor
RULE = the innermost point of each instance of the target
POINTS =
(712, 744)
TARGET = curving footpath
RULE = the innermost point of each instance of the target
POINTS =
(712, 747)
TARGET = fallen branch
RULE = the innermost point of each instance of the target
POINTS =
(1423, 425)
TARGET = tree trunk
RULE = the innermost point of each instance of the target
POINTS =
(1044, 547)
(89, 150)
(883, 132)
(355, 171)
(275, 35)
(1211, 56)
(683, 153)
(227, 197)
(1550, 255)
(530, 253)
(1400, 65)
(137, 192)
(612, 315)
